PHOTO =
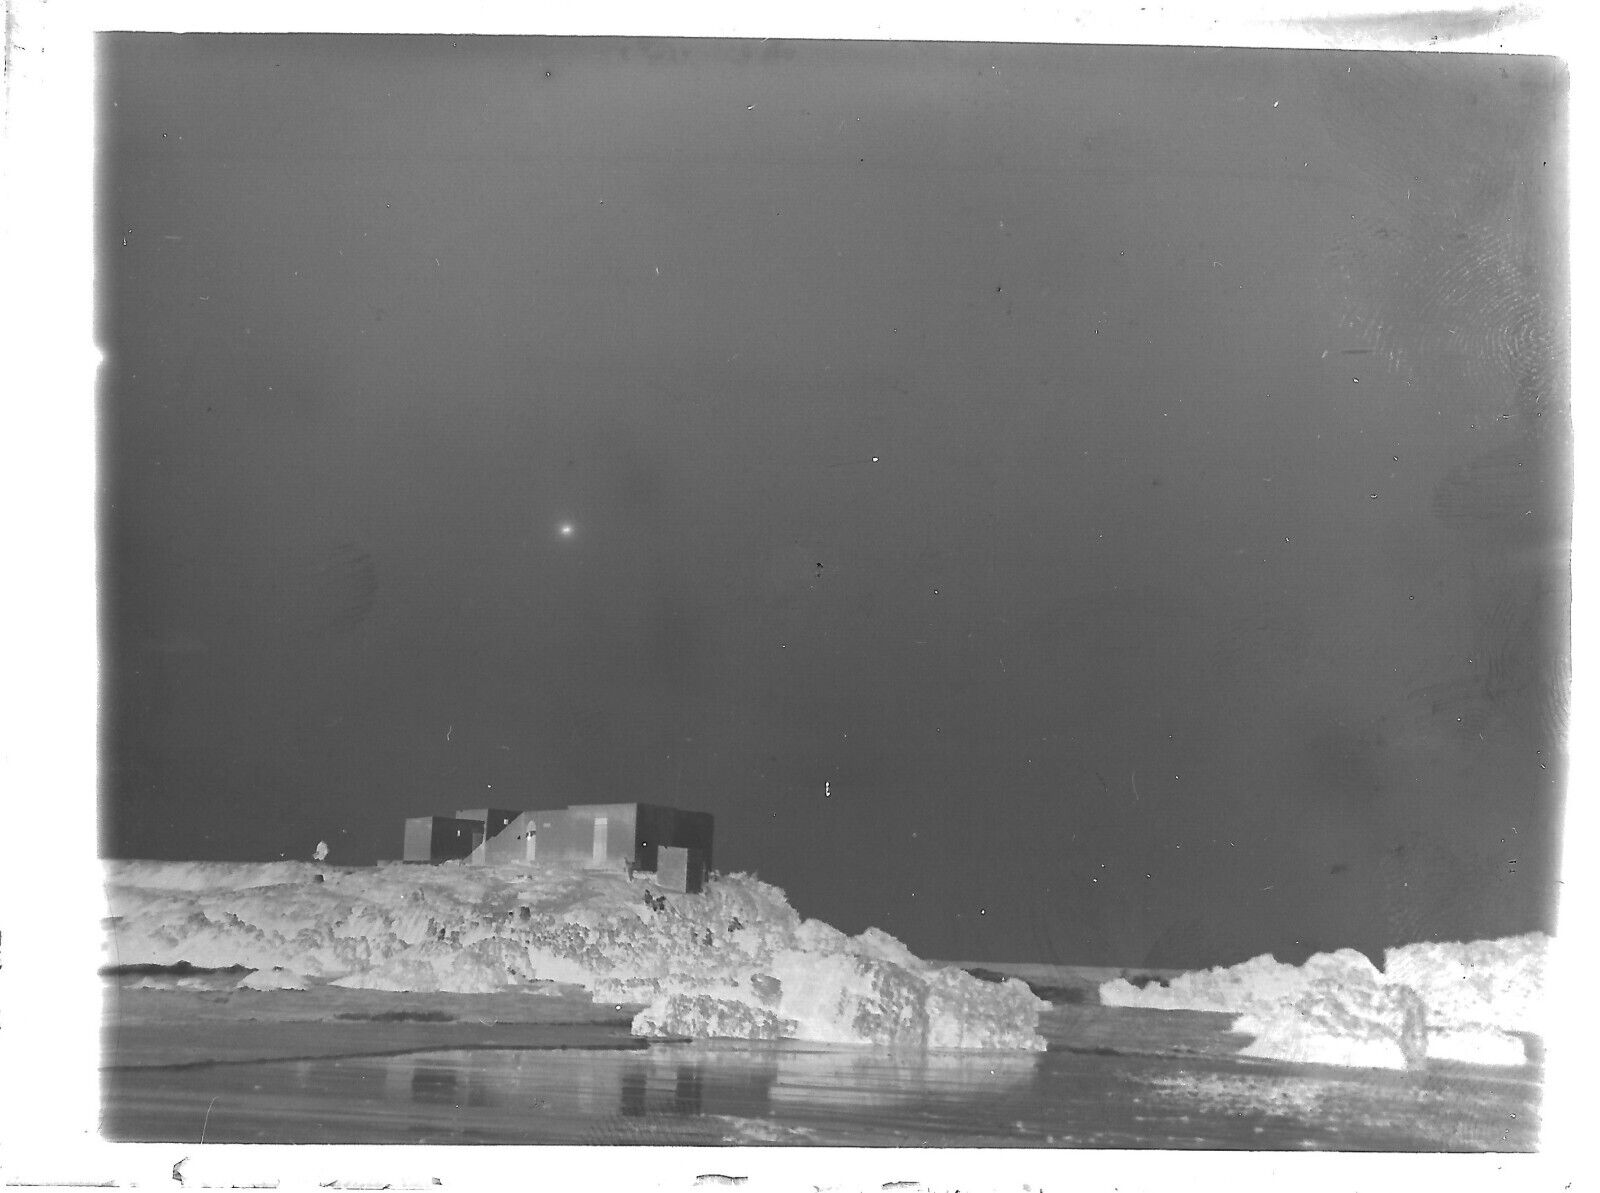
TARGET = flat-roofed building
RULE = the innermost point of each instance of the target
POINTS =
(596, 836)
(614, 835)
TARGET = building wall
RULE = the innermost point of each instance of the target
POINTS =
(654, 829)
(570, 834)
(440, 838)
(681, 869)
(659, 825)
(419, 839)
(693, 830)
(516, 843)
(493, 819)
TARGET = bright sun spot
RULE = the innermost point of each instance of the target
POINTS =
(566, 530)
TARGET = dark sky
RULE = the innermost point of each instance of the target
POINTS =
(1100, 505)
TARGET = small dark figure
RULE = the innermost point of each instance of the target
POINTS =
(628, 865)
(707, 940)
(734, 925)
(649, 902)
(660, 903)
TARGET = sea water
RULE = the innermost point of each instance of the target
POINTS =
(778, 1093)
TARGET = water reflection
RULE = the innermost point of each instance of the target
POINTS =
(434, 1085)
(788, 1092)
(453, 1087)
(911, 1077)
(695, 1085)
(542, 1089)
(749, 1081)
